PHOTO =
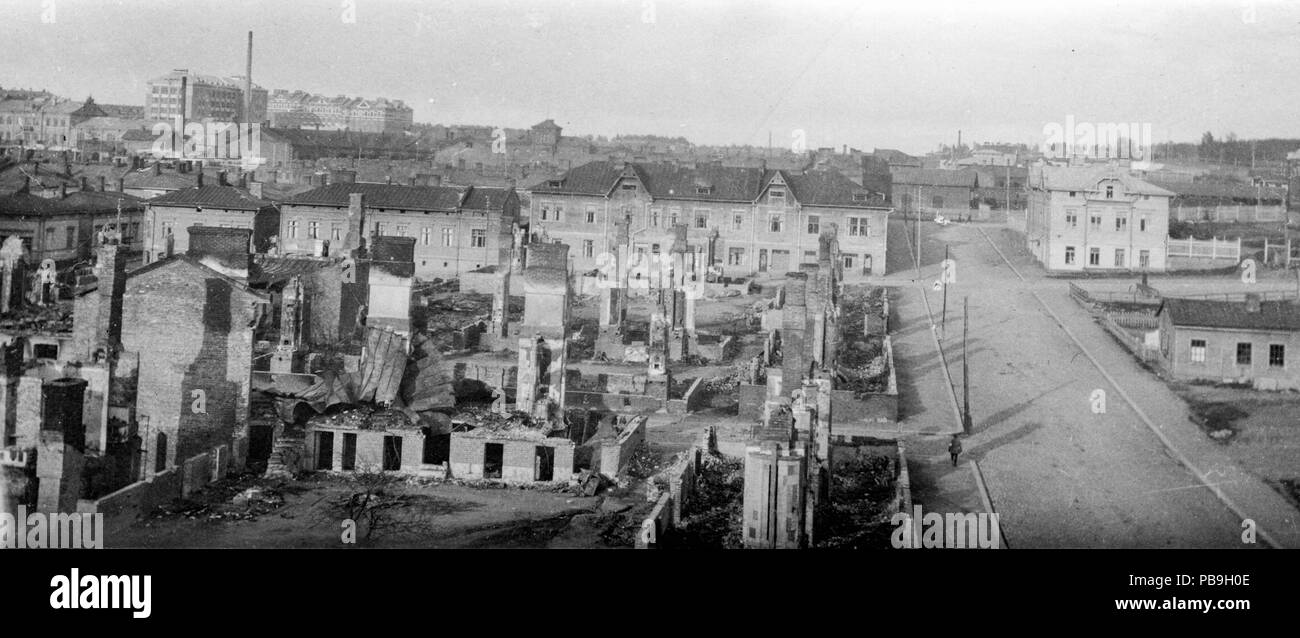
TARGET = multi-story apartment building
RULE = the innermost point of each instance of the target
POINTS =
(456, 229)
(1096, 218)
(44, 120)
(298, 109)
(201, 97)
(754, 220)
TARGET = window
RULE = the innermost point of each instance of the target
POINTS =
(546, 212)
(478, 238)
(735, 256)
(654, 217)
(70, 236)
(591, 215)
(380, 227)
(1243, 354)
(1144, 259)
(1276, 355)
(1094, 256)
(775, 223)
(1198, 351)
(313, 230)
(293, 229)
(1095, 222)
(401, 230)
(776, 196)
(701, 219)
(847, 260)
(737, 221)
(672, 217)
(814, 224)
(858, 227)
(448, 236)
(629, 187)
(936, 201)
(1072, 217)
(1110, 192)
(1119, 257)
(336, 231)
(49, 237)
(559, 212)
(1142, 224)
(1069, 254)
(426, 236)
(1121, 222)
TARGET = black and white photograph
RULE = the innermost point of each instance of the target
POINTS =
(853, 278)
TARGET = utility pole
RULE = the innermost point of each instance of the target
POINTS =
(918, 233)
(943, 321)
(965, 367)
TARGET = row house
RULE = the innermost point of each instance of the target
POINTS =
(67, 229)
(1096, 218)
(753, 220)
(168, 217)
(456, 229)
(298, 109)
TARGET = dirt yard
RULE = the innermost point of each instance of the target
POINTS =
(309, 513)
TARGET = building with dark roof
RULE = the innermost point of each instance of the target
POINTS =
(456, 229)
(67, 229)
(935, 191)
(1250, 341)
(751, 219)
(170, 214)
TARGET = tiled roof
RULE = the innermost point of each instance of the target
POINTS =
(1086, 178)
(442, 198)
(214, 196)
(963, 178)
(28, 204)
(1206, 313)
(706, 182)
(826, 188)
(100, 201)
(269, 268)
(484, 198)
(1227, 190)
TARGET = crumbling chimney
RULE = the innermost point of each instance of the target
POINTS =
(225, 250)
(356, 223)
(110, 270)
(243, 180)
(325, 179)
(1252, 302)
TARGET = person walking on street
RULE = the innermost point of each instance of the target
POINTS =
(954, 449)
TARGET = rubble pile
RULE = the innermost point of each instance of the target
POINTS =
(243, 498)
(38, 319)
(713, 517)
(364, 418)
(483, 422)
(857, 514)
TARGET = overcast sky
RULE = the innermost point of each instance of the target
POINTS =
(904, 74)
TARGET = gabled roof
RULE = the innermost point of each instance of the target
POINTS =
(706, 182)
(187, 260)
(440, 198)
(962, 178)
(1208, 313)
(19, 204)
(97, 201)
(214, 196)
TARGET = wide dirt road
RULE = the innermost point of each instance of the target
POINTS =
(1059, 474)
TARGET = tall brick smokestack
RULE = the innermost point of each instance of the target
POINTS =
(248, 87)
